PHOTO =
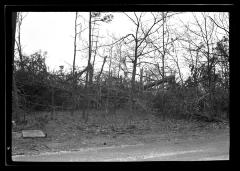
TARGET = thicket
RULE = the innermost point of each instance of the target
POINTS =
(203, 95)
(40, 90)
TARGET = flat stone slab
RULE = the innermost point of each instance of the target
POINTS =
(33, 134)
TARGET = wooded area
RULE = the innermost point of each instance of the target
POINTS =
(136, 74)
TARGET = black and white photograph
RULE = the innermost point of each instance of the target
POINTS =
(120, 86)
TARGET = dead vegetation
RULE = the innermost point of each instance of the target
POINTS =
(66, 132)
(138, 95)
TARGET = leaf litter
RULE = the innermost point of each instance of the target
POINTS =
(66, 132)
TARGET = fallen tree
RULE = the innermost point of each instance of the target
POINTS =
(170, 79)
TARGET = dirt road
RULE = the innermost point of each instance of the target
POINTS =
(210, 148)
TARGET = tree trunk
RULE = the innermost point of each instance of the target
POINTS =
(141, 80)
(134, 74)
(99, 76)
(52, 103)
(73, 69)
(85, 110)
(95, 52)
(15, 102)
(90, 46)
(19, 39)
(163, 70)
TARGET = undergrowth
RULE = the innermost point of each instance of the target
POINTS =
(99, 120)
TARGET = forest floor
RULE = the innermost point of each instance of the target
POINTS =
(66, 132)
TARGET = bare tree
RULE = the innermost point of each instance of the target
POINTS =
(221, 20)
(75, 75)
(74, 80)
(75, 43)
(94, 17)
(139, 39)
(90, 45)
(203, 40)
(175, 58)
(19, 21)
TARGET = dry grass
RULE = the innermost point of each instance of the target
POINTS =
(68, 132)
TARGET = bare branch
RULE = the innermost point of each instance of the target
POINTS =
(118, 40)
(218, 25)
(130, 18)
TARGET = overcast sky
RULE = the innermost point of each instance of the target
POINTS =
(53, 32)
